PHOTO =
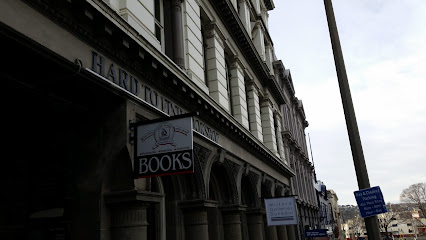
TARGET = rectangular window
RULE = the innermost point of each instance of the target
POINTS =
(158, 32)
(277, 139)
(247, 103)
(158, 25)
(228, 86)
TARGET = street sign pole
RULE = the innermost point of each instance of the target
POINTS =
(371, 223)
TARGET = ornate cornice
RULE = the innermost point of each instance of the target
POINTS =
(285, 76)
(292, 143)
(269, 4)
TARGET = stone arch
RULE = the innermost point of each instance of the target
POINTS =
(202, 160)
(249, 196)
(266, 190)
(279, 190)
(184, 186)
(218, 158)
(247, 183)
(173, 213)
(222, 186)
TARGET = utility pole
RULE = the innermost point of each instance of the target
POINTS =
(371, 223)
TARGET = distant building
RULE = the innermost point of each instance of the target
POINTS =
(336, 218)
(323, 203)
(294, 123)
(407, 227)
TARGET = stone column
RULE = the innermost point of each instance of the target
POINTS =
(177, 29)
(280, 142)
(128, 221)
(198, 215)
(215, 65)
(254, 111)
(232, 225)
(269, 57)
(271, 233)
(238, 92)
(196, 224)
(268, 128)
(259, 39)
(291, 232)
(282, 233)
(245, 15)
(255, 226)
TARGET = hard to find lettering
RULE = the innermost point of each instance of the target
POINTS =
(124, 80)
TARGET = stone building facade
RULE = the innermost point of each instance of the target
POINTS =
(79, 73)
(302, 184)
(323, 204)
(336, 221)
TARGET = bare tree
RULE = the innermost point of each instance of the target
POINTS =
(385, 219)
(357, 225)
(415, 194)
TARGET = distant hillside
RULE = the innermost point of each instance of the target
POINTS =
(348, 212)
(403, 210)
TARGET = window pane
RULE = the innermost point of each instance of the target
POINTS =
(158, 32)
(157, 10)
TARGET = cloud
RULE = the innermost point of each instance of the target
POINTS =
(383, 44)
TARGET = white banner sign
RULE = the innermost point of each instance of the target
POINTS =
(164, 148)
(281, 211)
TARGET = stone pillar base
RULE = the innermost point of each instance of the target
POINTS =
(128, 221)
(282, 233)
(255, 225)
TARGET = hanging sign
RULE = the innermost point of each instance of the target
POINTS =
(370, 201)
(281, 211)
(164, 147)
(316, 233)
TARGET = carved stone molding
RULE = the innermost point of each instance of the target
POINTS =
(233, 172)
(254, 179)
(196, 217)
(231, 218)
(126, 215)
(202, 155)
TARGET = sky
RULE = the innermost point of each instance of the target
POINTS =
(384, 50)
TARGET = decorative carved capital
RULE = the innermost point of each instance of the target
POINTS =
(197, 217)
(231, 218)
(130, 214)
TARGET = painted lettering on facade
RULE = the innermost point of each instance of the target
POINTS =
(206, 131)
(133, 85)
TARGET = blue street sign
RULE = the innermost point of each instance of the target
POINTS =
(370, 201)
(316, 233)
